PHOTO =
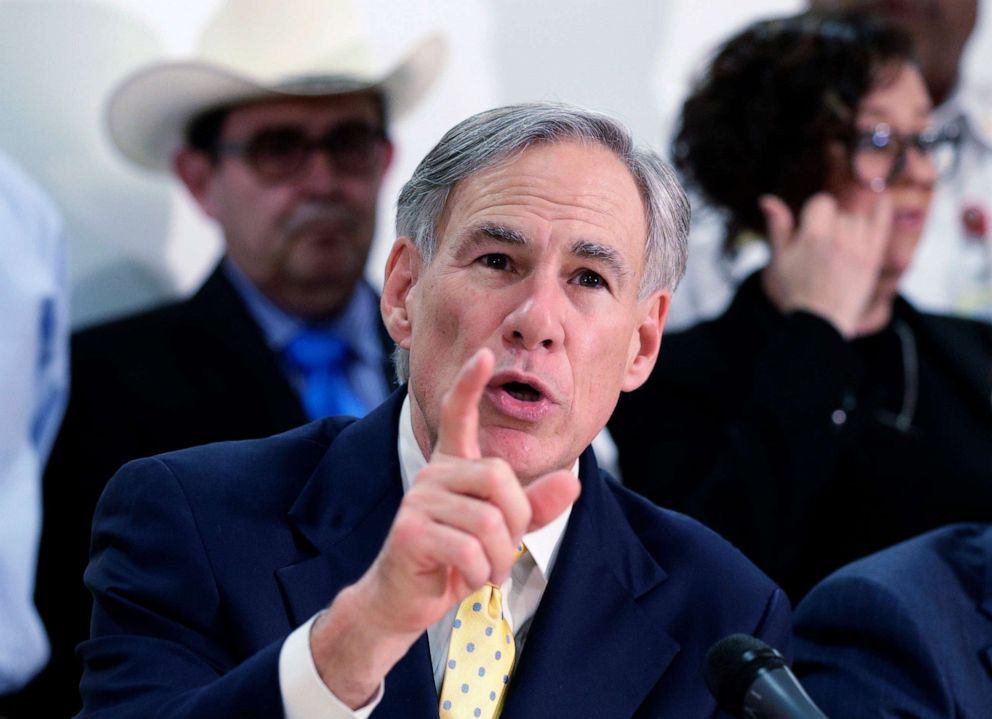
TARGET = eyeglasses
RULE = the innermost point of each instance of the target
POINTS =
(279, 153)
(878, 155)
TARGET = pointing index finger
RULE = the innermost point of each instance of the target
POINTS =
(458, 430)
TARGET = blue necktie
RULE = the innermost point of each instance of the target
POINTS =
(322, 359)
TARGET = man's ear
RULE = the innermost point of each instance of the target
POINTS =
(646, 341)
(402, 272)
(196, 170)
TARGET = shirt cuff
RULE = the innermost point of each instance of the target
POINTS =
(304, 694)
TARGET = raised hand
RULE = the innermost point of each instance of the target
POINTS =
(456, 528)
(830, 264)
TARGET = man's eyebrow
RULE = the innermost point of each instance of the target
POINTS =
(501, 234)
(480, 235)
(601, 253)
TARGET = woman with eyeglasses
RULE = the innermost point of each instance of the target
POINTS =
(821, 417)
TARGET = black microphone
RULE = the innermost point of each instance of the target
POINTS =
(750, 680)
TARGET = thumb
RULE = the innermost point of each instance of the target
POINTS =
(779, 222)
(550, 495)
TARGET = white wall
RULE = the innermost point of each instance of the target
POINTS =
(138, 239)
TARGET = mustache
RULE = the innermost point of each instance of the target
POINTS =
(335, 215)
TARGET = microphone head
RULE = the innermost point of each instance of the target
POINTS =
(732, 666)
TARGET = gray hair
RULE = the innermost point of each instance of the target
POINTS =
(493, 136)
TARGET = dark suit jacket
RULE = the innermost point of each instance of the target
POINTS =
(181, 375)
(204, 560)
(906, 632)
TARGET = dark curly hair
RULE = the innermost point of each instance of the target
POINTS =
(763, 116)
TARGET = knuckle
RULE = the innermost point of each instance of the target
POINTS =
(408, 529)
(489, 520)
(428, 474)
(489, 479)
(468, 552)
(422, 492)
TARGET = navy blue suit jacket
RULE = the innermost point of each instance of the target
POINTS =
(906, 632)
(204, 560)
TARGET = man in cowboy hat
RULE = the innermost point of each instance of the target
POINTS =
(279, 130)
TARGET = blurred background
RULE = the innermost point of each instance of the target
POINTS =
(135, 237)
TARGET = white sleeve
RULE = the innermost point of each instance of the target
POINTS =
(34, 372)
(304, 694)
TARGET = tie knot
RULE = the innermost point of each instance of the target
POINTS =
(314, 350)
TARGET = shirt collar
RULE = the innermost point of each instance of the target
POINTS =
(279, 327)
(542, 544)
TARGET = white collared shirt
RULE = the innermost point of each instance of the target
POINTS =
(34, 362)
(305, 695)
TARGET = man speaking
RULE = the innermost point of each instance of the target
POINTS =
(457, 552)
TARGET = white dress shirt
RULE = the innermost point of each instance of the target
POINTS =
(34, 372)
(304, 694)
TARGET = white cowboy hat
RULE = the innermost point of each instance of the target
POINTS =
(258, 49)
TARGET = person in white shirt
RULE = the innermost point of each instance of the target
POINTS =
(34, 367)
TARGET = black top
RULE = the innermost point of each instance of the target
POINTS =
(177, 376)
(808, 451)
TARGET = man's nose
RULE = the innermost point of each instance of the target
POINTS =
(538, 318)
(318, 176)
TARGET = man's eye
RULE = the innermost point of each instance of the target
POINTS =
(495, 261)
(592, 280)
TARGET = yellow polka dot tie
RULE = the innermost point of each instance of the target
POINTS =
(480, 657)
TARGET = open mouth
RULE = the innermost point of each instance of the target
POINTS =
(522, 391)
(521, 397)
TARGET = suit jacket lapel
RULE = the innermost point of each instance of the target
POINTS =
(344, 513)
(345, 510)
(590, 640)
(243, 359)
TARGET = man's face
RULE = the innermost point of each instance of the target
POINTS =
(302, 239)
(539, 259)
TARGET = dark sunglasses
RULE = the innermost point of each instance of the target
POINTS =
(280, 153)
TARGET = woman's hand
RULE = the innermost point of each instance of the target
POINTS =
(830, 264)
